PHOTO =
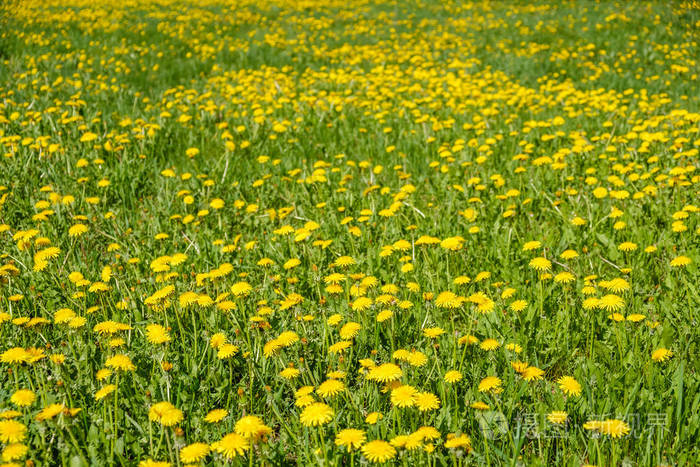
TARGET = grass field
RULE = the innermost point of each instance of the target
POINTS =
(349, 232)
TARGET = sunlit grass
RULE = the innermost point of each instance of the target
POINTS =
(343, 232)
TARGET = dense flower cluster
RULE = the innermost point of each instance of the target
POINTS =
(344, 231)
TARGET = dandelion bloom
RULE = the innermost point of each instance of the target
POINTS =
(102, 374)
(661, 355)
(514, 347)
(12, 431)
(290, 373)
(23, 398)
(350, 330)
(490, 384)
(399, 441)
(373, 417)
(216, 415)
(14, 451)
(404, 396)
(361, 304)
(330, 388)
(592, 425)
(541, 264)
(344, 261)
(569, 254)
(241, 289)
(378, 451)
(458, 442)
(251, 426)
(531, 245)
(617, 317)
(334, 278)
(532, 373)
(417, 358)
(49, 412)
(231, 445)
(77, 230)
(316, 414)
(426, 401)
(64, 315)
(447, 300)
(217, 203)
(110, 327)
(154, 463)
(105, 391)
(165, 413)
(217, 340)
(461, 280)
(489, 344)
(468, 340)
(432, 333)
(564, 277)
(680, 261)
(287, 338)
(384, 315)
(611, 302)
(194, 452)
(569, 386)
(428, 433)
(120, 362)
(453, 376)
(304, 401)
(15, 355)
(611, 427)
(351, 438)
(157, 334)
(409, 442)
(627, 246)
(453, 243)
(339, 347)
(385, 373)
(557, 417)
(226, 351)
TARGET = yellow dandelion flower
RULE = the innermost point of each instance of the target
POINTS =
(23, 398)
(385, 373)
(404, 396)
(557, 417)
(661, 355)
(105, 391)
(426, 401)
(251, 427)
(490, 384)
(120, 362)
(541, 264)
(12, 431)
(216, 415)
(569, 386)
(350, 438)
(157, 334)
(231, 445)
(453, 376)
(330, 388)
(680, 261)
(316, 414)
(378, 451)
(194, 452)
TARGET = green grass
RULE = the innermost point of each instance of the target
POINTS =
(492, 121)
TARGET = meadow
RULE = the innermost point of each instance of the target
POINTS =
(349, 232)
